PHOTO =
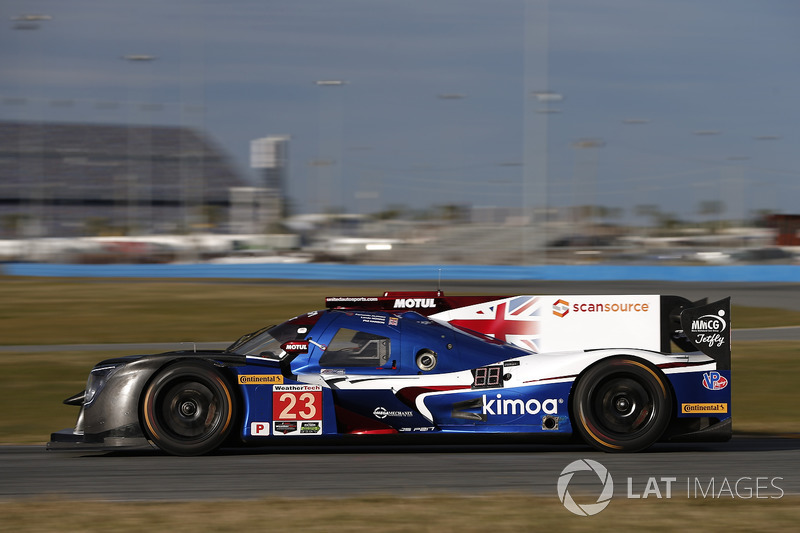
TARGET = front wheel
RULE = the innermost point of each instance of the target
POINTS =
(622, 405)
(188, 409)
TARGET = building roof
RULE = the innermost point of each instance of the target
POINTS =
(103, 163)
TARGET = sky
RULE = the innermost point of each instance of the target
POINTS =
(665, 103)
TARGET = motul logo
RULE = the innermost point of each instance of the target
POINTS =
(414, 303)
(295, 346)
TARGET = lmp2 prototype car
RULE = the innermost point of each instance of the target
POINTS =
(619, 372)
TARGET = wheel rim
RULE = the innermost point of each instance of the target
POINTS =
(623, 406)
(190, 410)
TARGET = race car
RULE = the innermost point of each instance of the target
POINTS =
(619, 372)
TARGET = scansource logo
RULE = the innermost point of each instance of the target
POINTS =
(587, 509)
(561, 308)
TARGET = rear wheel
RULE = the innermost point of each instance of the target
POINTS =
(188, 409)
(622, 405)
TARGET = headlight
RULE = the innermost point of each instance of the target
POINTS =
(98, 378)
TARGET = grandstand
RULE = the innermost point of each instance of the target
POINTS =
(87, 179)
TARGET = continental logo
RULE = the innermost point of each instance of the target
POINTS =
(264, 379)
(690, 408)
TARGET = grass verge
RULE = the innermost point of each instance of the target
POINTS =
(81, 311)
(55, 311)
(435, 513)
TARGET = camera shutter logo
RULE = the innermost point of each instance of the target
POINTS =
(591, 508)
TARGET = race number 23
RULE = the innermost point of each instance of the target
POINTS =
(296, 402)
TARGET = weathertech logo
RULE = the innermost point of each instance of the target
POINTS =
(561, 308)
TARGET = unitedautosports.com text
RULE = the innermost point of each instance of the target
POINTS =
(745, 488)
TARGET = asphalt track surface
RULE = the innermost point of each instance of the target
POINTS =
(767, 465)
(746, 467)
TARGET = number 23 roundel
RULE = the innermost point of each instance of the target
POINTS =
(297, 409)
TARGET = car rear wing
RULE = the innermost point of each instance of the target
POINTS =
(699, 326)
(572, 322)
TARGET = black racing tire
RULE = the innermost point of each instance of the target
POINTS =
(622, 404)
(188, 409)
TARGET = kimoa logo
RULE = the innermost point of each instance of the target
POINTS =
(501, 406)
(411, 303)
(603, 475)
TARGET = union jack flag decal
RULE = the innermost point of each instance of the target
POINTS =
(513, 320)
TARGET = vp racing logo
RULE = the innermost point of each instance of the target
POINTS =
(714, 381)
(603, 476)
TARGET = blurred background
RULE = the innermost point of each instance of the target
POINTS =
(450, 132)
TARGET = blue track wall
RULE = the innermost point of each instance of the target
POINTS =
(318, 271)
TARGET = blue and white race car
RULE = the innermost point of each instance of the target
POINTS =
(619, 372)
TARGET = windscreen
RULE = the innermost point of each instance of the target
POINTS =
(268, 342)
